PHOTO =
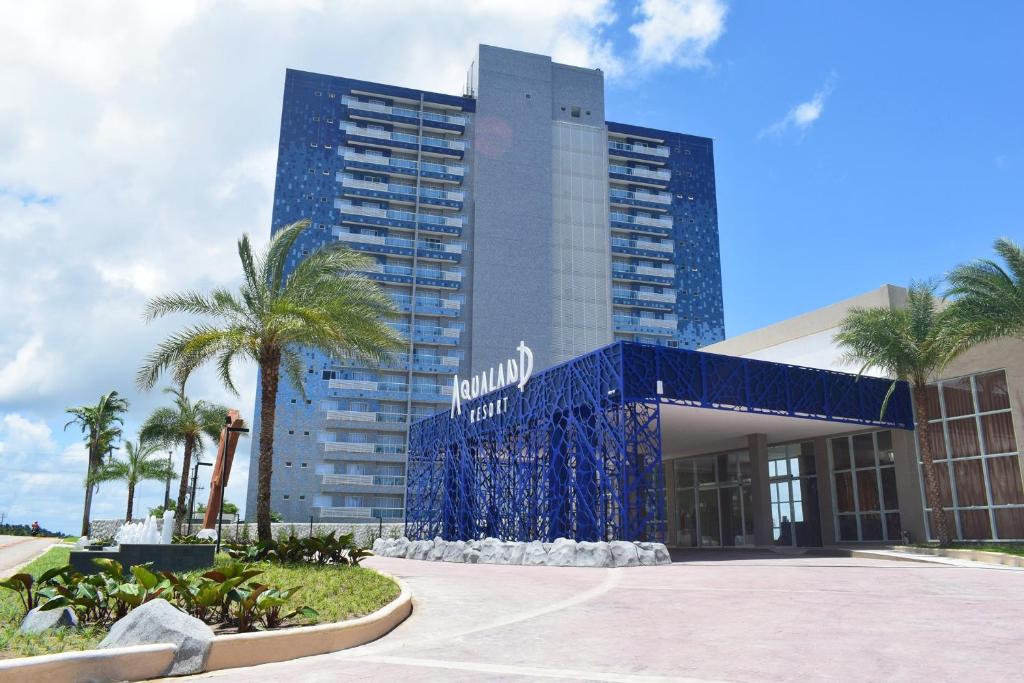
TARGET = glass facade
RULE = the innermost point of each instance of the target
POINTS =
(864, 496)
(714, 505)
(793, 490)
(971, 431)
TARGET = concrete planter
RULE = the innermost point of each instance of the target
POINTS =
(172, 557)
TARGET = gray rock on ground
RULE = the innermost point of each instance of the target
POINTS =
(624, 554)
(562, 553)
(534, 554)
(158, 621)
(471, 556)
(437, 551)
(453, 551)
(590, 554)
(37, 620)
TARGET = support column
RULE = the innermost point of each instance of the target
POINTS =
(757, 445)
(908, 484)
(824, 476)
(671, 514)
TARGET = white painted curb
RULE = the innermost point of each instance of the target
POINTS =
(135, 663)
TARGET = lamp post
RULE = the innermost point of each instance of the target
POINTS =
(228, 430)
(167, 487)
(192, 500)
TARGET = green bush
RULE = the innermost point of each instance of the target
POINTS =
(318, 549)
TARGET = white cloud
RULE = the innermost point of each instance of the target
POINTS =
(138, 141)
(677, 32)
(803, 115)
(21, 436)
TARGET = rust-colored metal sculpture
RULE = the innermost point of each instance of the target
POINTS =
(222, 468)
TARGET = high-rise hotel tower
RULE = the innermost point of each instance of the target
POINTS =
(514, 212)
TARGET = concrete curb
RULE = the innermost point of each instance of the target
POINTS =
(143, 662)
(136, 663)
(966, 554)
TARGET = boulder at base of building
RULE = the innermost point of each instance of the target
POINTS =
(564, 552)
(158, 621)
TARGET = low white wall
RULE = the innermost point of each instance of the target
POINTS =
(365, 533)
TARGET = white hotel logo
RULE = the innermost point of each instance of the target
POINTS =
(510, 372)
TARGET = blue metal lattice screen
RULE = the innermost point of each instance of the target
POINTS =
(578, 453)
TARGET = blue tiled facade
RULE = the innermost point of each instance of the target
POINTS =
(389, 172)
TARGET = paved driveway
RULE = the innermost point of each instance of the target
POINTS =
(743, 619)
(16, 550)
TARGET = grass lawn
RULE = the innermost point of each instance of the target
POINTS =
(337, 593)
(1008, 548)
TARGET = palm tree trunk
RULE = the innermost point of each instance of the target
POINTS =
(939, 519)
(87, 506)
(270, 369)
(186, 463)
(131, 500)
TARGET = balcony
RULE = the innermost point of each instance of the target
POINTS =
(627, 271)
(372, 215)
(401, 245)
(660, 300)
(361, 480)
(401, 190)
(403, 112)
(637, 148)
(453, 172)
(427, 304)
(396, 139)
(640, 175)
(650, 249)
(657, 200)
(367, 417)
(642, 325)
(630, 219)
(428, 334)
(361, 513)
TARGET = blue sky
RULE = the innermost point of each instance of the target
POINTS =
(856, 144)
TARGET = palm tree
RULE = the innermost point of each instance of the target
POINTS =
(989, 299)
(101, 425)
(913, 344)
(142, 463)
(324, 303)
(186, 424)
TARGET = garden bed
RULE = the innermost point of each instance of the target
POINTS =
(336, 592)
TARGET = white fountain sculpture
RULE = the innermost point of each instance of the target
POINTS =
(167, 533)
(138, 532)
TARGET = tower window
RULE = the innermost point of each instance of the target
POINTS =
(575, 112)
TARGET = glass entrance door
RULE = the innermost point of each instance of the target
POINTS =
(714, 506)
(793, 487)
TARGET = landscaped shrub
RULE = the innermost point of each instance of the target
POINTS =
(225, 595)
(318, 549)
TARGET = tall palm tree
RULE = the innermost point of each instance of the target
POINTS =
(186, 424)
(988, 299)
(142, 463)
(913, 344)
(324, 303)
(101, 426)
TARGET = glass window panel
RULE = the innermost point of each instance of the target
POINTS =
(705, 470)
(848, 528)
(732, 517)
(937, 439)
(889, 495)
(742, 463)
(725, 473)
(807, 465)
(933, 402)
(886, 455)
(957, 395)
(844, 491)
(773, 468)
(974, 524)
(794, 467)
(892, 527)
(1004, 478)
(997, 429)
(863, 451)
(797, 490)
(992, 391)
(687, 533)
(970, 483)
(840, 454)
(709, 534)
(684, 473)
(1010, 523)
(871, 527)
(867, 490)
(963, 437)
(748, 513)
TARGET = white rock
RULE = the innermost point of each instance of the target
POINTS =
(470, 556)
(157, 621)
(437, 551)
(661, 555)
(37, 620)
(624, 554)
(562, 553)
(593, 554)
(420, 550)
(378, 546)
(453, 551)
(490, 551)
(512, 553)
(401, 547)
(646, 556)
(534, 554)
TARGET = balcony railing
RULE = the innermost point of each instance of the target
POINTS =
(392, 214)
(660, 174)
(405, 138)
(628, 269)
(390, 387)
(426, 331)
(362, 480)
(634, 295)
(640, 220)
(446, 247)
(403, 111)
(666, 247)
(400, 189)
(405, 300)
(639, 148)
(397, 162)
(654, 197)
(361, 512)
(666, 323)
(368, 416)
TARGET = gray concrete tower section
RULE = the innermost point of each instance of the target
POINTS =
(541, 261)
